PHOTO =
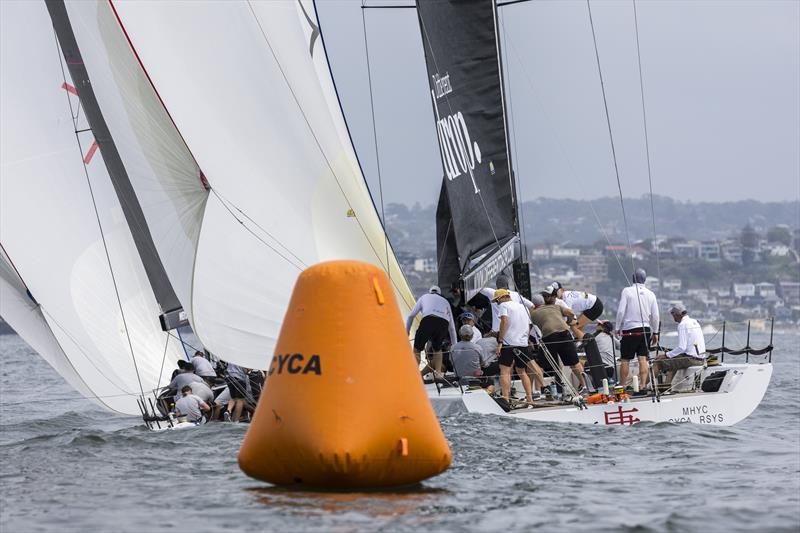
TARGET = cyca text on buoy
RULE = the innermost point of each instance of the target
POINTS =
(295, 364)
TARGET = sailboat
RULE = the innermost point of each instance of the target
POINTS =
(150, 183)
(478, 235)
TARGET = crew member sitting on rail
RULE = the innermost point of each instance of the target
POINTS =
(203, 368)
(502, 282)
(190, 405)
(607, 344)
(586, 306)
(556, 335)
(691, 347)
(512, 344)
(468, 319)
(467, 356)
(638, 318)
(437, 326)
(185, 377)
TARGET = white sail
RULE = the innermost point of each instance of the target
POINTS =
(248, 88)
(71, 243)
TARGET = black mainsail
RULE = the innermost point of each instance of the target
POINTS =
(477, 225)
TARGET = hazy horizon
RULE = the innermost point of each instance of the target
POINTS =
(721, 84)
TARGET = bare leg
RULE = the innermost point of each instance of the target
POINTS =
(537, 376)
(238, 405)
(644, 368)
(526, 384)
(578, 371)
(624, 370)
(436, 361)
(670, 375)
(505, 381)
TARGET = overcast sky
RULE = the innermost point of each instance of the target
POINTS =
(721, 85)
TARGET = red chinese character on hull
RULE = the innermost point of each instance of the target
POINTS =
(621, 416)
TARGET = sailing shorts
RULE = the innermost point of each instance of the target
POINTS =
(237, 388)
(434, 329)
(517, 356)
(635, 342)
(563, 345)
(594, 312)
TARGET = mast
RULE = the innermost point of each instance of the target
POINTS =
(172, 315)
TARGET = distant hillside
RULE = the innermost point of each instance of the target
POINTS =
(412, 229)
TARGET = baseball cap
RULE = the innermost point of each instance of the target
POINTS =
(606, 325)
(467, 316)
(537, 299)
(550, 289)
(557, 285)
(499, 293)
(678, 309)
(435, 290)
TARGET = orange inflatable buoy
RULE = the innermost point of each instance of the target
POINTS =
(344, 405)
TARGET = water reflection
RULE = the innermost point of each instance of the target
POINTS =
(393, 502)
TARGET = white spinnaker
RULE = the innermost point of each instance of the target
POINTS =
(261, 117)
(24, 315)
(164, 174)
(105, 318)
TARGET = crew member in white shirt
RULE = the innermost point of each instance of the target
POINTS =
(691, 347)
(637, 322)
(586, 306)
(512, 343)
(468, 319)
(502, 282)
(436, 326)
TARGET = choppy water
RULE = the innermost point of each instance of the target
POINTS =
(65, 465)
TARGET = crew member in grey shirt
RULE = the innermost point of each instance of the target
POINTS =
(184, 378)
(467, 356)
(203, 367)
(190, 405)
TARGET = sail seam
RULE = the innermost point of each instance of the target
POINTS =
(316, 140)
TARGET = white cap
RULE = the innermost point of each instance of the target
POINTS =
(435, 289)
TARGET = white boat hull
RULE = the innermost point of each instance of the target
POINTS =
(741, 392)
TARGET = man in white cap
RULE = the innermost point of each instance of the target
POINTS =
(638, 320)
(436, 326)
(502, 282)
(691, 347)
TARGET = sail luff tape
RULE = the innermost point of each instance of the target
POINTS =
(378, 291)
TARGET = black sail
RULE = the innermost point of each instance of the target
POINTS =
(476, 219)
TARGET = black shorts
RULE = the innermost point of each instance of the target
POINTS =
(237, 387)
(434, 329)
(493, 369)
(517, 356)
(562, 344)
(594, 312)
(635, 342)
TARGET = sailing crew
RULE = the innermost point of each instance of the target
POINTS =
(607, 344)
(638, 318)
(586, 306)
(185, 377)
(468, 319)
(203, 368)
(237, 385)
(468, 358)
(436, 326)
(502, 282)
(512, 343)
(691, 347)
(190, 405)
(556, 335)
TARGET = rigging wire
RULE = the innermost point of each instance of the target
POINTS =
(99, 224)
(647, 147)
(564, 153)
(375, 135)
(319, 147)
(515, 152)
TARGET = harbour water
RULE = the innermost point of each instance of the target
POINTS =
(66, 465)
